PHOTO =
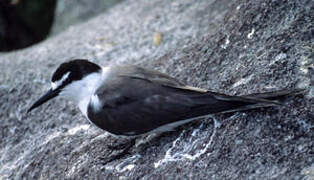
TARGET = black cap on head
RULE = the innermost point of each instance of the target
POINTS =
(77, 68)
(65, 74)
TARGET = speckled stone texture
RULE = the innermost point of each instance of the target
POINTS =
(235, 47)
(71, 12)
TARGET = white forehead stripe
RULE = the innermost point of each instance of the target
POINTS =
(55, 85)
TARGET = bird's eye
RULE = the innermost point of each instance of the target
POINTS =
(56, 84)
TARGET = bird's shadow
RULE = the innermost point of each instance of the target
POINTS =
(122, 149)
(119, 150)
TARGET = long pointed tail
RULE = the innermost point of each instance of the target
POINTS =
(225, 103)
(277, 95)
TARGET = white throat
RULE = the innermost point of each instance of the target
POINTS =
(82, 91)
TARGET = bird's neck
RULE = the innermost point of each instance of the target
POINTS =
(80, 92)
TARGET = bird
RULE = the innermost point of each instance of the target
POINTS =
(129, 101)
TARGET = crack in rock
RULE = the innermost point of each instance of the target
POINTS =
(190, 150)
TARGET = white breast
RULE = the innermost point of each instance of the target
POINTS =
(82, 92)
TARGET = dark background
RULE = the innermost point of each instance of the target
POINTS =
(27, 22)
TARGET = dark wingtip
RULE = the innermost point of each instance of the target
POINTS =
(299, 91)
(277, 95)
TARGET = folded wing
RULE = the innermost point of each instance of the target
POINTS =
(141, 101)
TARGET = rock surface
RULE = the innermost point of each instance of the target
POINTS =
(70, 12)
(235, 47)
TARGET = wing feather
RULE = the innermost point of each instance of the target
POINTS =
(136, 101)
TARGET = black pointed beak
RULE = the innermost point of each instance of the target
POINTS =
(49, 95)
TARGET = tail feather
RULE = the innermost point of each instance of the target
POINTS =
(277, 95)
(226, 103)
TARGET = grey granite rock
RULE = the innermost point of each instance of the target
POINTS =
(235, 47)
(71, 12)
